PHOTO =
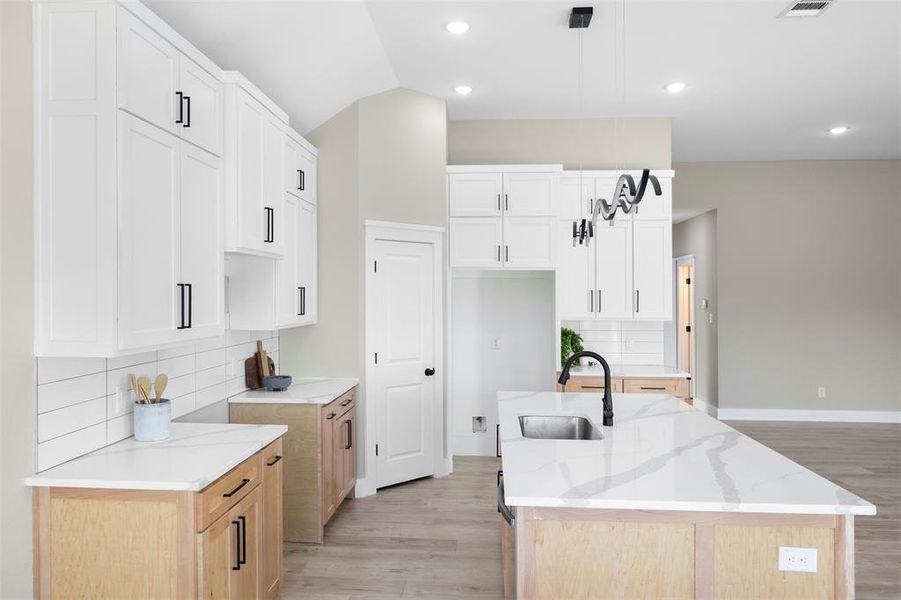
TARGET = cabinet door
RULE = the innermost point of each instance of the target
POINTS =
(613, 270)
(202, 110)
(339, 439)
(147, 72)
(530, 242)
(252, 219)
(271, 538)
(576, 194)
(292, 176)
(307, 263)
(476, 242)
(245, 581)
(474, 194)
(287, 285)
(653, 276)
(349, 454)
(200, 234)
(148, 226)
(307, 166)
(273, 185)
(531, 194)
(329, 491)
(220, 547)
(653, 206)
(575, 276)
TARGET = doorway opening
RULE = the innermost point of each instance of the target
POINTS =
(685, 318)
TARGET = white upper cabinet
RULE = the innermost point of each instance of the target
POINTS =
(503, 216)
(576, 194)
(612, 250)
(653, 273)
(575, 277)
(475, 194)
(307, 261)
(300, 167)
(273, 187)
(160, 84)
(287, 290)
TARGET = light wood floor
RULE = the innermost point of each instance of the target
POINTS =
(439, 538)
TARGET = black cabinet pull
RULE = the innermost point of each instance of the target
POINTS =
(350, 435)
(506, 202)
(181, 301)
(498, 443)
(498, 202)
(188, 112)
(274, 460)
(600, 303)
(303, 300)
(181, 107)
(303, 180)
(506, 253)
(243, 559)
(657, 389)
(299, 179)
(237, 565)
(190, 288)
(244, 482)
(498, 253)
(346, 402)
(270, 224)
(591, 301)
(330, 416)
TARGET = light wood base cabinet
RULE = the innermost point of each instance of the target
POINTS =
(675, 386)
(320, 448)
(216, 543)
(593, 553)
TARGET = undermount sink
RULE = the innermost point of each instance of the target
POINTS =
(558, 427)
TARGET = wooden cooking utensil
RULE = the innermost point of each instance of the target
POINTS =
(159, 385)
(144, 386)
(264, 360)
(134, 385)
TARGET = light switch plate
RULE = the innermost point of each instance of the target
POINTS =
(802, 560)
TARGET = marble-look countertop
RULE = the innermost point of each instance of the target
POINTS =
(660, 454)
(194, 456)
(303, 390)
(631, 371)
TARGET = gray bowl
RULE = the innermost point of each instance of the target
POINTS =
(277, 383)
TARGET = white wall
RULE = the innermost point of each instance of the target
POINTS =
(17, 376)
(517, 310)
(809, 280)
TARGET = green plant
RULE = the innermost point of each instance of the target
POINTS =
(570, 343)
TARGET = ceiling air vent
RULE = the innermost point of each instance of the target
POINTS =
(806, 8)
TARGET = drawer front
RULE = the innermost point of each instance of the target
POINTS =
(591, 384)
(342, 403)
(218, 497)
(674, 387)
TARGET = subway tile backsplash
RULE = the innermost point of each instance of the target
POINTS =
(623, 342)
(86, 403)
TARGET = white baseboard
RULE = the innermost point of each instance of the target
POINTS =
(482, 444)
(365, 487)
(705, 407)
(823, 416)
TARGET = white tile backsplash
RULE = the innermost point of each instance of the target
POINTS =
(86, 403)
(623, 342)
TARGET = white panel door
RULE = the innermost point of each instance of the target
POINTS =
(653, 275)
(476, 242)
(202, 110)
(531, 194)
(200, 234)
(575, 296)
(148, 226)
(147, 72)
(613, 270)
(403, 391)
(474, 194)
(307, 261)
(575, 196)
(530, 242)
(287, 285)
(273, 185)
(252, 219)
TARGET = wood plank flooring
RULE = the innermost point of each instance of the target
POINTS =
(440, 538)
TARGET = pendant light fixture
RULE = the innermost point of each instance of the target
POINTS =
(627, 195)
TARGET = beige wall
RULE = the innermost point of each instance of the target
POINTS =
(585, 143)
(697, 237)
(809, 280)
(17, 376)
(382, 158)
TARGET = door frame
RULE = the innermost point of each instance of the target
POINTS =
(679, 261)
(403, 232)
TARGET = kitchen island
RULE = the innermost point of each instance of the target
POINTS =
(670, 503)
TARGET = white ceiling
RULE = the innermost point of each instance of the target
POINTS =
(759, 87)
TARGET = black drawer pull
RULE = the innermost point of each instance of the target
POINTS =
(243, 559)
(330, 416)
(349, 442)
(244, 482)
(346, 402)
(237, 565)
(274, 460)
(660, 389)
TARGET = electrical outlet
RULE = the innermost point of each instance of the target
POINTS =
(802, 560)
(479, 425)
(710, 318)
(496, 343)
(821, 392)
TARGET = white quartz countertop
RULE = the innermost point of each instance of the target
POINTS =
(660, 454)
(195, 455)
(631, 371)
(309, 390)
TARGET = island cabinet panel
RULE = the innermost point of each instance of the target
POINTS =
(272, 520)
(125, 543)
(674, 386)
(589, 384)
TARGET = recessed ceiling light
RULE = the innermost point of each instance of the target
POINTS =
(463, 89)
(838, 130)
(457, 27)
(675, 87)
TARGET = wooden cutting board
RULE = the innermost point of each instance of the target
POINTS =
(253, 368)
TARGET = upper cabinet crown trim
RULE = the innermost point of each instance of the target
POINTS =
(235, 77)
(668, 173)
(504, 168)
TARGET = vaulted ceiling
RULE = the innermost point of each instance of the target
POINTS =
(758, 87)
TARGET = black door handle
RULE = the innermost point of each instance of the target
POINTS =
(188, 112)
(181, 107)
(190, 305)
(349, 442)
(243, 558)
(429, 372)
(181, 289)
(237, 565)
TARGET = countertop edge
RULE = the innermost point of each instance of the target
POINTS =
(348, 383)
(782, 509)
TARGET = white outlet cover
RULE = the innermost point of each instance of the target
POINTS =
(800, 560)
